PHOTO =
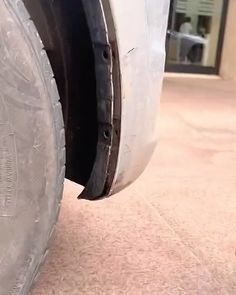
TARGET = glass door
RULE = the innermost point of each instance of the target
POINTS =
(195, 35)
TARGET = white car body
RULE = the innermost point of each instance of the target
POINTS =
(141, 30)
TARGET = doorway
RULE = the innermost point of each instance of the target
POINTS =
(195, 35)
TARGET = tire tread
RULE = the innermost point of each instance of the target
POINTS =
(50, 84)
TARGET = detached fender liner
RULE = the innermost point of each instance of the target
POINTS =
(108, 91)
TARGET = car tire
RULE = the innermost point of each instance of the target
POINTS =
(32, 150)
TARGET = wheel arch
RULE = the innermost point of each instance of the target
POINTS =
(79, 37)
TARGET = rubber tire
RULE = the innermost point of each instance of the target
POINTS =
(32, 150)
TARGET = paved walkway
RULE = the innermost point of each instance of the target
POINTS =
(174, 231)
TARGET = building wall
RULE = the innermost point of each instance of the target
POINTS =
(228, 63)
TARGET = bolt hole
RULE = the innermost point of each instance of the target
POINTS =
(105, 54)
(106, 134)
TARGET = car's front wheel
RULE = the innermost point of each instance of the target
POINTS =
(32, 152)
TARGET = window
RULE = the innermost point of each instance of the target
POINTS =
(193, 36)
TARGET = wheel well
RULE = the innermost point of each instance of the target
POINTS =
(64, 31)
